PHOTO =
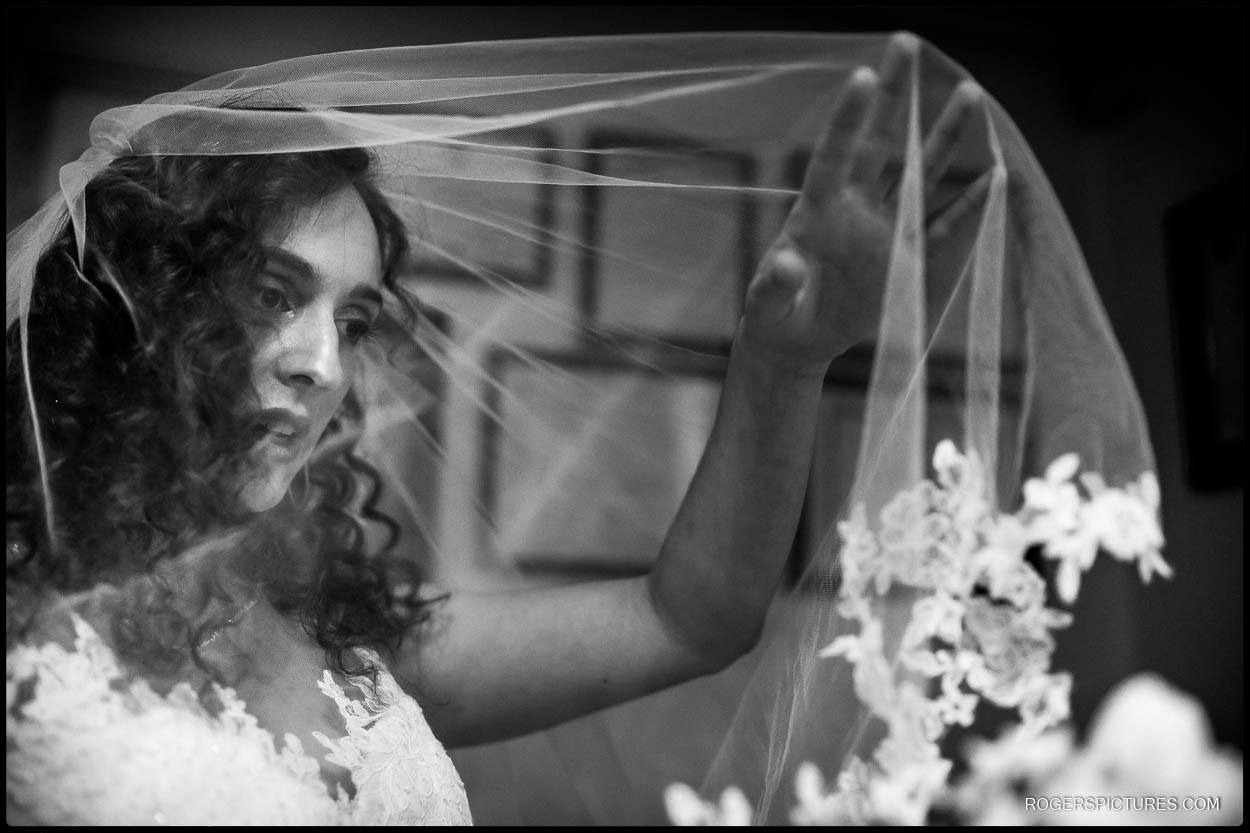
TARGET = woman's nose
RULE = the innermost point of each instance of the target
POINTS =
(310, 353)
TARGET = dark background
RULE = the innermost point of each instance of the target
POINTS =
(1135, 112)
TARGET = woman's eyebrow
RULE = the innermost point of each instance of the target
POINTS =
(365, 292)
(290, 261)
(304, 270)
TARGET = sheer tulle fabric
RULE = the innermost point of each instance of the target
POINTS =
(585, 215)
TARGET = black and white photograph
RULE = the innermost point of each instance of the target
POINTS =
(814, 414)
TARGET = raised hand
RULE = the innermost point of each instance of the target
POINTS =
(818, 289)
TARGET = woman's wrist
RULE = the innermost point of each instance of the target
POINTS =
(766, 366)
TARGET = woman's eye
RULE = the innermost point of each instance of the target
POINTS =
(272, 300)
(354, 330)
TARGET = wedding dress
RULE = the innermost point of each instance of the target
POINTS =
(90, 746)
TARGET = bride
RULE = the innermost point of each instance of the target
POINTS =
(212, 618)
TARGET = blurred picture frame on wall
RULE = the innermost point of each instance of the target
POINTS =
(699, 298)
(513, 246)
(602, 511)
(1206, 248)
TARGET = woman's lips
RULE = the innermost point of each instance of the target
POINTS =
(283, 427)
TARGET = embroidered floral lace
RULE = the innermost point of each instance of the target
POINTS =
(978, 625)
(88, 746)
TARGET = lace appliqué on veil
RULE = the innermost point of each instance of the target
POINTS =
(91, 747)
(979, 626)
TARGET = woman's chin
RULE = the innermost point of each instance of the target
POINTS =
(262, 494)
(272, 467)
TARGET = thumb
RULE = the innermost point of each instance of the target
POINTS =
(779, 286)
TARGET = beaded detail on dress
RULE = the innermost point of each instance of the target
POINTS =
(87, 745)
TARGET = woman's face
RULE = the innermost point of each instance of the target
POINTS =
(321, 288)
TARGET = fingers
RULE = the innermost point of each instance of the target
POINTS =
(948, 131)
(871, 152)
(941, 223)
(827, 171)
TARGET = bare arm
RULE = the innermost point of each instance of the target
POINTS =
(491, 666)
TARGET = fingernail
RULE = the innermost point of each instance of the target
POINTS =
(906, 41)
(789, 258)
(864, 75)
(789, 265)
(970, 90)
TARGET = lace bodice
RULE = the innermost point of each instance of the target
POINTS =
(87, 745)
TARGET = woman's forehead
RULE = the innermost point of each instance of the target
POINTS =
(333, 243)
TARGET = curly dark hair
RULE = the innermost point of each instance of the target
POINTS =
(138, 357)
